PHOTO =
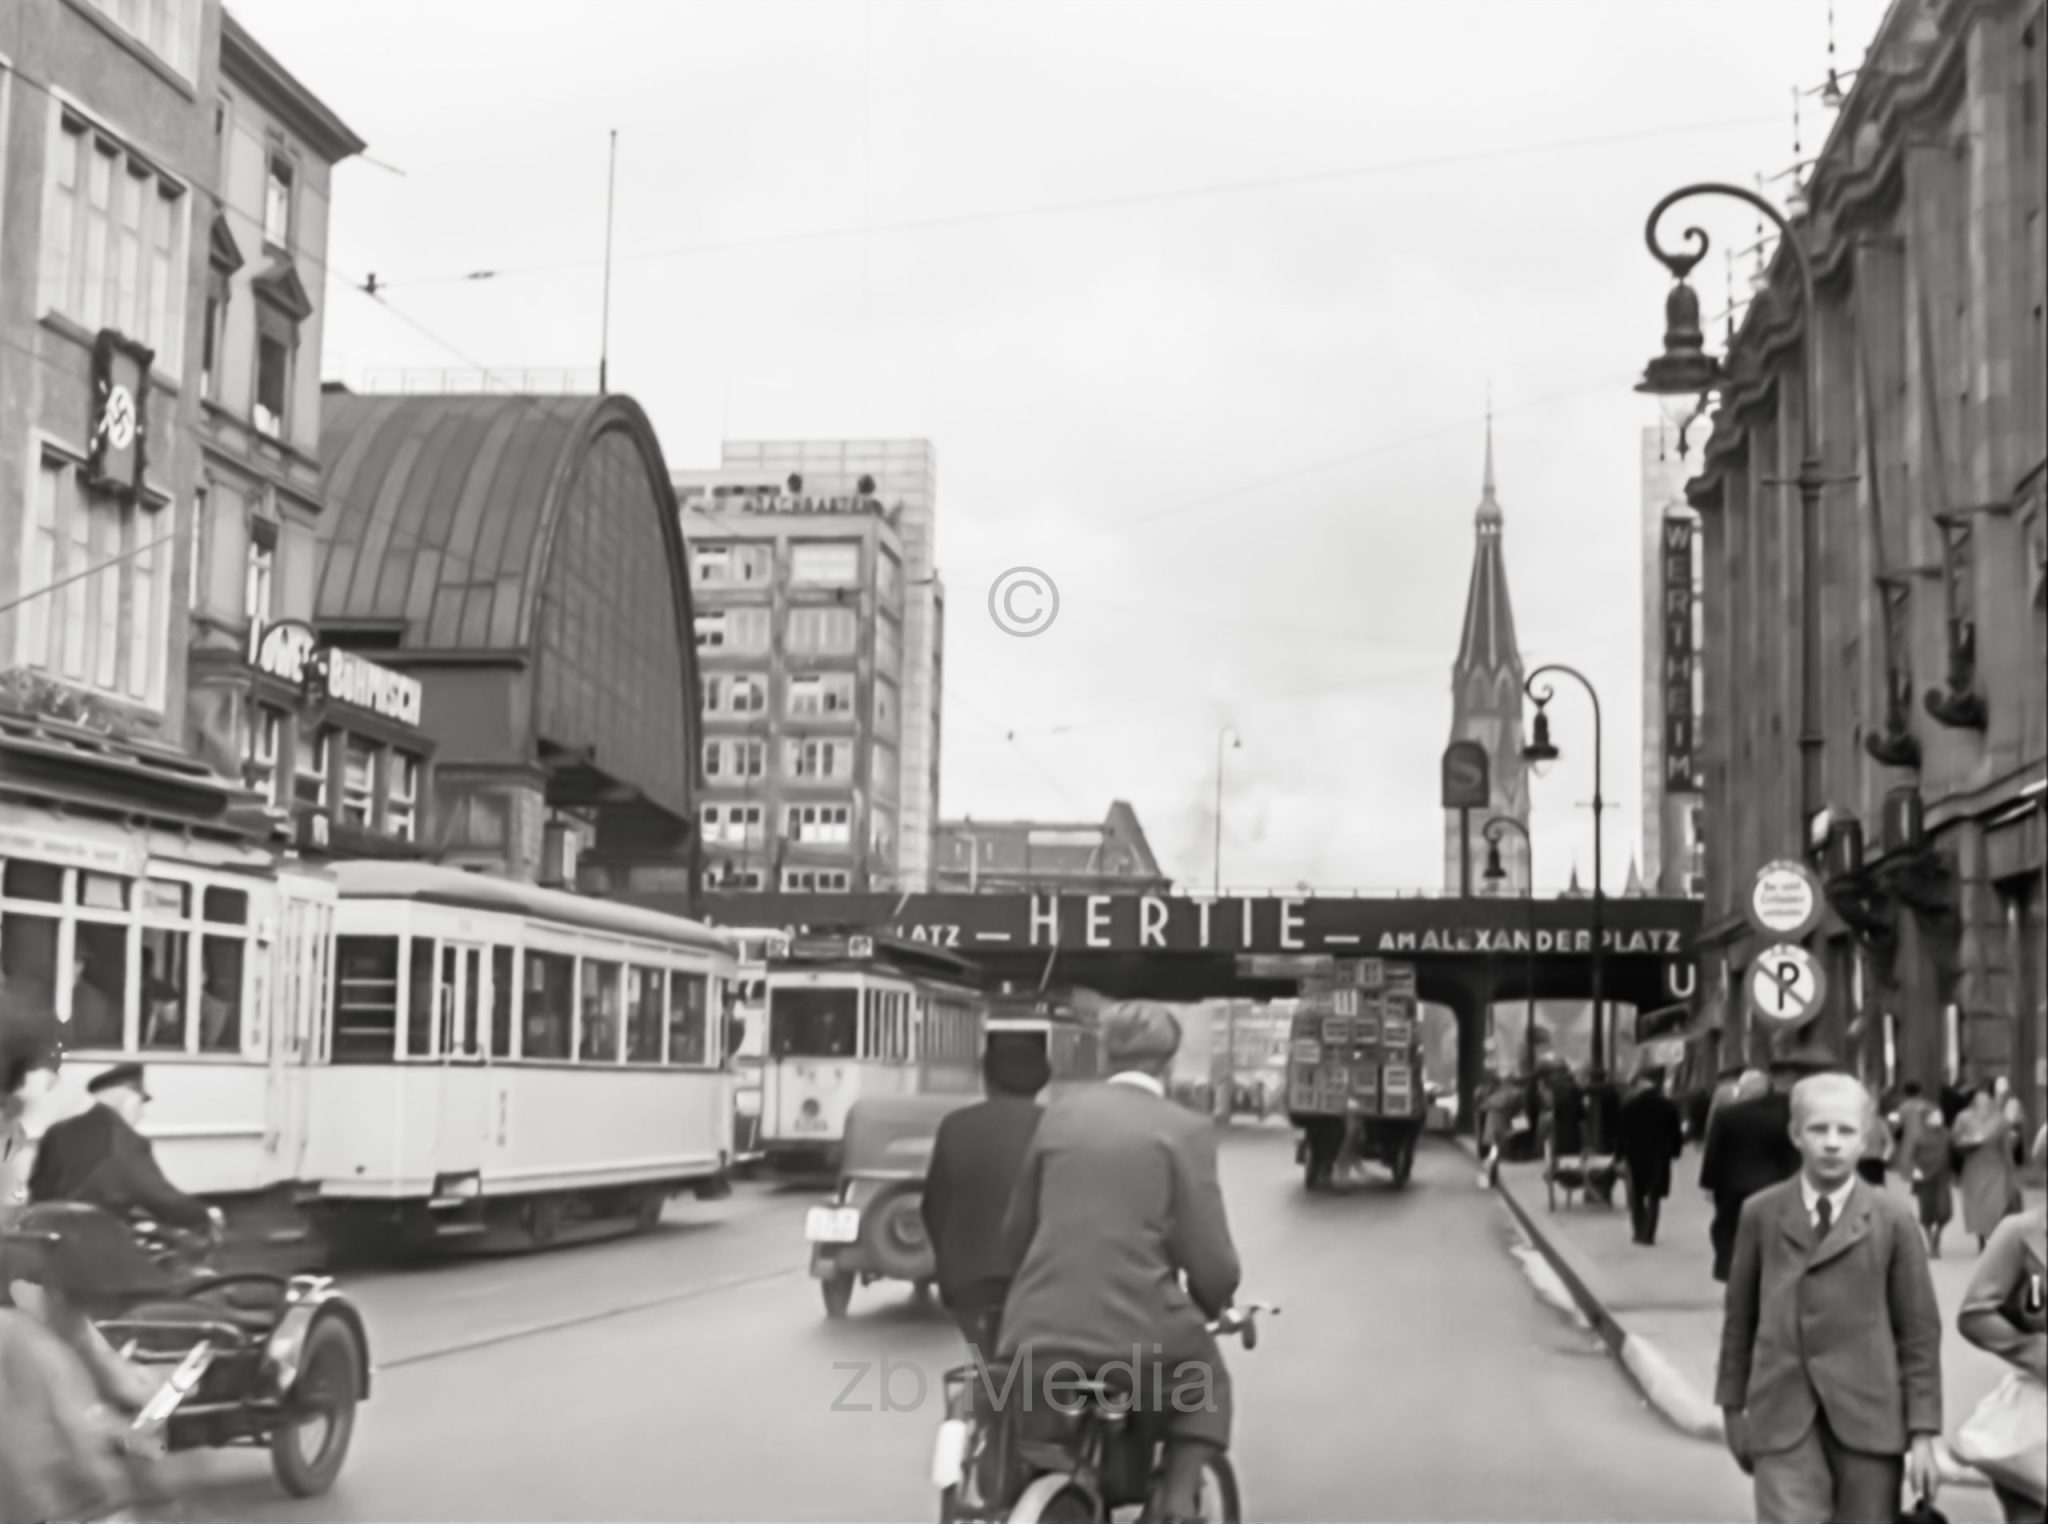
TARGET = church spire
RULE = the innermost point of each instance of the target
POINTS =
(1488, 642)
(1489, 507)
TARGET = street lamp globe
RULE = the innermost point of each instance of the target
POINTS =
(1494, 871)
(1684, 369)
(1539, 753)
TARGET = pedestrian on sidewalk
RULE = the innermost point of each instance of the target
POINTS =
(1911, 1119)
(1830, 1369)
(1650, 1134)
(1932, 1165)
(1991, 1187)
(1749, 1148)
(2005, 1311)
(1875, 1165)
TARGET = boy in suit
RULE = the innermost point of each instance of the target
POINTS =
(1830, 1374)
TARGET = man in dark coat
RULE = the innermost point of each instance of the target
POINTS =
(1120, 1200)
(99, 1158)
(1649, 1134)
(1749, 1148)
(976, 1158)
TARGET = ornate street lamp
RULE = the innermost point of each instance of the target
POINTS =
(1539, 753)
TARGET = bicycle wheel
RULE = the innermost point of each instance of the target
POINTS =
(1218, 1499)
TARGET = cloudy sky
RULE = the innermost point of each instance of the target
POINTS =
(1199, 303)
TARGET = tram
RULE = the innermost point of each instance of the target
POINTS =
(1065, 1025)
(507, 1057)
(750, 1007)
(856, 1013)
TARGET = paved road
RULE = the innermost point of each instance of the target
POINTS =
(690, 1374)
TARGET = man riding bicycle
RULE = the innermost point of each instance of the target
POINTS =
(99, 1157)
(1118, 1201)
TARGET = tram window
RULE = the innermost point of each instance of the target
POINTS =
(220, 994)
(163, 988)
(32, 881)
(600, 1012)
(688, 1026)
(227, 906)
(550, 987)
(643, 1015)
(813, 1023)
(502, 989)
(421, 1009)
(365, 999)
(99, 988)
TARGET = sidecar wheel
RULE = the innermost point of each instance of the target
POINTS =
(307, 1452)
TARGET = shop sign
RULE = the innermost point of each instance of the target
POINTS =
(1681, 766)
(291, 652)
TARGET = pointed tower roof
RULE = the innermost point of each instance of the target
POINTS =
(1573, 891)
(1634, 888)
(1488, 641)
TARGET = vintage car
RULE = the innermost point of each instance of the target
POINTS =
(871, 1227)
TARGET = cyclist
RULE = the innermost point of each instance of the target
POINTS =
(1118, 1201)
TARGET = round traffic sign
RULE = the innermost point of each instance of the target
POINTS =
(1786, 986)
(1785, 901)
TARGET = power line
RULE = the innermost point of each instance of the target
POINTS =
(1097, 203)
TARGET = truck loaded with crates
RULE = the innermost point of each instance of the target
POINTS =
(1354, 1069)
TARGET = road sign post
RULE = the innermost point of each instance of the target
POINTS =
(1786, 986)
(1785, 901)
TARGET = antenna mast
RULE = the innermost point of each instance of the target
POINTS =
(605, 341)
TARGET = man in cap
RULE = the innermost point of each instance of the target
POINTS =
(1749, 1147)
(98, 1157)
(976, 1158)
(1118, 1200)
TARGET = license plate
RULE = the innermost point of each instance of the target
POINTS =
(832, 1225)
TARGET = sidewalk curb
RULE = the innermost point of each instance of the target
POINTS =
(1671, 1393)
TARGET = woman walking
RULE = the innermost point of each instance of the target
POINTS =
(2003, 1312)
(1932, 1163)
(1991, 1190)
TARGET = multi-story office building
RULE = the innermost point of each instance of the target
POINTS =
(1674, 850)
(1915, 784)
(800, 612)
(904, 474)
(1111, 856)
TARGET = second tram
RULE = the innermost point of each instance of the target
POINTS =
(860, 1013)
(1065, 1025)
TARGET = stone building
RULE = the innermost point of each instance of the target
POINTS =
(1112, 856)
(1925, 231)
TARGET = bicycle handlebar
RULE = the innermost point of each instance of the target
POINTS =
(1242, 1320)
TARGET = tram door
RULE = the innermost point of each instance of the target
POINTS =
(463, 1123)
(301, 995)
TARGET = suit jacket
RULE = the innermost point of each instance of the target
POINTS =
(1848, 1326)
(1650, 1135)
(1119, 1197)
(976, 1159)
(97, 1158)
(1749, 1146)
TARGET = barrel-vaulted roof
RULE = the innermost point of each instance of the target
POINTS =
(540, 529)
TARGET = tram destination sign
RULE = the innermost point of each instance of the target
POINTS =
(1342, 929)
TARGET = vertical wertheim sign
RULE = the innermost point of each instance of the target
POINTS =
(1680, 764)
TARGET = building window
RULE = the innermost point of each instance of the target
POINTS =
(888, 647)
(309, 782)
(820, 825)
(402, 804)
(261, 745)
(112, 242)
(276, 350)
(97, 605)
(258, 576)
(816, 880)
(738, 880)
(885, 706)
(735, 759)
(735, 693)
(732, 824)
(821, 760)
(828, 631)
(733, 630)
(826, 563)
(730, 565)
(168, 28)
(829, 693)
(213, 336)
(888, 574)
(358, 781)
(277, 203)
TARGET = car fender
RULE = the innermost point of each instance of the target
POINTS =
(316, 1299)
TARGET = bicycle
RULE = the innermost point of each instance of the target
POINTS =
(1092, 1480)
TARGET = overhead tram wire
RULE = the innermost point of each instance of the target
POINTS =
(1087, 204)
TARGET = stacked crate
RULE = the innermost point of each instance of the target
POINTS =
(1356, 1044)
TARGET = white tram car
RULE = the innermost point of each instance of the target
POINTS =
(754, 947)
(502, 1055)
(854, 1014)
(1065, 1025)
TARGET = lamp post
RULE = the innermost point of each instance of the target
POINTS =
(1539, 753)
(1686, 370)
(1494, 874)
(1226, 733)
